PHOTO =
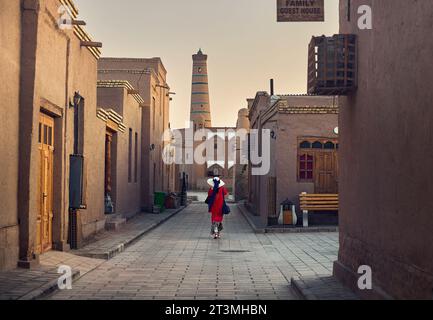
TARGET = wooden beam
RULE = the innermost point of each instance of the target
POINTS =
(78, 23)
(91, 44)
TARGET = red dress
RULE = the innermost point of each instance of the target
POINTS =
(217, 207)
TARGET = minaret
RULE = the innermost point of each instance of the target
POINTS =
(200, 103)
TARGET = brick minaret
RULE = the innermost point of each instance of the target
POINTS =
(200, 103)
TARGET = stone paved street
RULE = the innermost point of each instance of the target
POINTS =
(28, 284)
(179, 260)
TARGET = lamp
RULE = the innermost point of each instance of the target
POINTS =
(77, 99)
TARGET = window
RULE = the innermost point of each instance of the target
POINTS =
(317, 145)
(50, 136)
(310, 151)
(306, 167)
(305, 145)
(136, 159)
(45, 134)
(329, 145)
(40, 133)
(130, 157)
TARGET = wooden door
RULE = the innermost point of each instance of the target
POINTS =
(44, 225)
(326, 179)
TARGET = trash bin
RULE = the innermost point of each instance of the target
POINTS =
(159, 200)
(171, 201)
(288, 213)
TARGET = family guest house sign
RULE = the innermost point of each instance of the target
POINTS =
(300, 10)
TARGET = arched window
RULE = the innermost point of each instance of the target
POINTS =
(329, 145)
(305, 145)
(317, 145)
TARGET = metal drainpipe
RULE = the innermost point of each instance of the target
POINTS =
(73, 223)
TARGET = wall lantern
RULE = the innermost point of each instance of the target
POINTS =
(77, 99)
(336, 130)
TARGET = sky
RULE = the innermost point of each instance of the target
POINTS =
(245, 44)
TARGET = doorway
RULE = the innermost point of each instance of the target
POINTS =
(109, 205)
(44, 221)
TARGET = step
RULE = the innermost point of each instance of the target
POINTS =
(115, 223)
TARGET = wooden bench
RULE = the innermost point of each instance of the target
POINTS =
(317, 202)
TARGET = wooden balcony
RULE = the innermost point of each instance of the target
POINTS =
(332, 65)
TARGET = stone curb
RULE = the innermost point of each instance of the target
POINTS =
(246, 214)
(297, 287)
(52, 286)
(48, 288)
(332, 292)
(122, 246)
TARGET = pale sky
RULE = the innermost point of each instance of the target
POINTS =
(245, 45)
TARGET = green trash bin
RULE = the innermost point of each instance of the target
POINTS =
(160, 200)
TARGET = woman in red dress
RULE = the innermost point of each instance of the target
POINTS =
(216, 200)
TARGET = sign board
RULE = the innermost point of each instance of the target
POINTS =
(300, 10)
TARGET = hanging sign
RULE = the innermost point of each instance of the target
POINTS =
(300, 10)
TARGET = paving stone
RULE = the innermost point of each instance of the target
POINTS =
(178, 260)
(30, 284)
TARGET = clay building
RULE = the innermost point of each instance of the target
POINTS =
(240, 174)
(121, 108)
(148, 77)
(53, 157)
(386, 176)
(303, 150)
(10, 64)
